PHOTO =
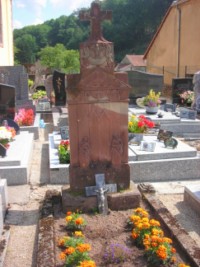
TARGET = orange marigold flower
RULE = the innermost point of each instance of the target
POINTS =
(154, 244)
(173, 250)
(134, 235)
(87, 263)
(79, 233)
(146, 225)
(162, 252)
(62, 256)
(61, 242)
(79, 221)
(69, 213)
(69, 250)
(83, 247)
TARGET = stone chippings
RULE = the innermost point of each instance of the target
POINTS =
(187, 245)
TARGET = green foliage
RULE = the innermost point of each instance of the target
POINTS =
(132, 28)
(64, 152)
(59, 58)
(30, 83)
(39, 94)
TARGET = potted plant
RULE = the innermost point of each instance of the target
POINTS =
(137, 126)
(64, 152)
(152, 102)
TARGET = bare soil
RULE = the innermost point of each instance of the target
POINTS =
(101, 232)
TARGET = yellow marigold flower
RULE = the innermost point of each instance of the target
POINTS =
(130, 123)
(69, 250)
(145, 219)
(138, 210)
(140, 226)
(79, 221)
(183, 265)
(83, 247)
(154, 222)
(69, 213)
(62, 256)
(78, 233)
(173, 259)
(68, 218)
(146, 225)
(87, 263)
(134, 218)
(146, 236)
(145, 213)
(167, 240)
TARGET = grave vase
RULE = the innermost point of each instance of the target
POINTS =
(151, 110)
(135, 138)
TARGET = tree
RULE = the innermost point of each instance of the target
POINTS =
(26, 49)
(60, 58)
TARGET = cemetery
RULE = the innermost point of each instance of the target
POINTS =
(79, 157)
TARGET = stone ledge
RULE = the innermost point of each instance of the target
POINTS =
(187, 245)
(192, 197)
(127, 199)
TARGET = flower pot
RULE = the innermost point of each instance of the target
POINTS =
(135, 138)
(151, 110)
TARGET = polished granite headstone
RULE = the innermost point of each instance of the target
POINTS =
(98, 112)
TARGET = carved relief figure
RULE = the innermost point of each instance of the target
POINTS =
(116, 150)
(84, 155)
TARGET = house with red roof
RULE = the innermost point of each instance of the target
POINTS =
(132, 62)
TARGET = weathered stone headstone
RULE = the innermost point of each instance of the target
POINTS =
(17, 77)
(59, 88)
(196, 82)
(7, 101)
(98, 112)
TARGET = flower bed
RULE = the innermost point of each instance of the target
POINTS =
(110, 244)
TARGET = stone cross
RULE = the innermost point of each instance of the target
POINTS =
(96, 16)
(100, 190)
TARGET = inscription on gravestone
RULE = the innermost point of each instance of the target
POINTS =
(168, 107)
(188, 114)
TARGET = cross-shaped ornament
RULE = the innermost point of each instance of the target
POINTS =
(95, 16)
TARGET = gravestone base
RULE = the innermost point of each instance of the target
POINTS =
(128, 199)
(81, 177)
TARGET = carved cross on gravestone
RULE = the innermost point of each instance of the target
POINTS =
(95, 16)
(100, 190)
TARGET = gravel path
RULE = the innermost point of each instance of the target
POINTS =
(24, 212)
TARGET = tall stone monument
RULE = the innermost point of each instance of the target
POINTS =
(98, 112)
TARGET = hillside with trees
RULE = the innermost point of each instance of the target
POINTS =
(132, 27)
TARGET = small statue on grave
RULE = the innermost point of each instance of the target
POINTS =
(102, 200)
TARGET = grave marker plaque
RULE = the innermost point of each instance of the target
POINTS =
(168, 107)
(64, 132)
(188, 114)
(59, 88)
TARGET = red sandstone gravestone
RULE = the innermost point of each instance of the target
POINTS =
(98, 112)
